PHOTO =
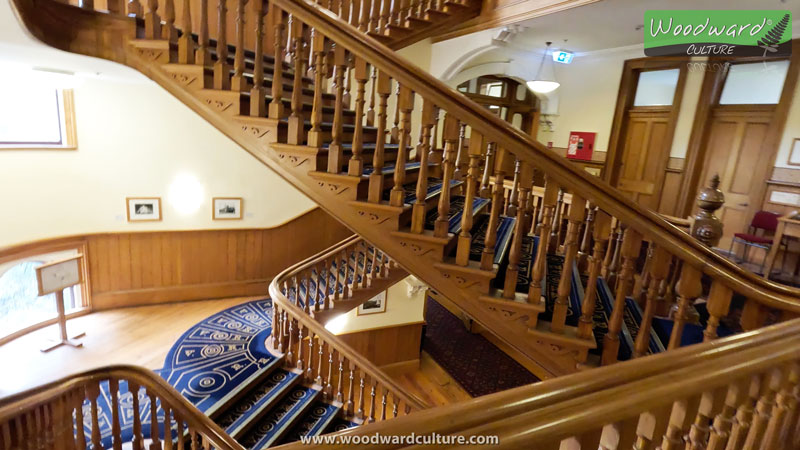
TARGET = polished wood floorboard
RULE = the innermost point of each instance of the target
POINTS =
(140, 335)
(432, 384)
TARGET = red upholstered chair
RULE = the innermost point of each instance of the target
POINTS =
(765, 221)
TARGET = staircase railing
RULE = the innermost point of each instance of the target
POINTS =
(743, 388)
(315, 285)
(672, 254)
(69, 414)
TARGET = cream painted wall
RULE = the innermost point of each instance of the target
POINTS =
(401, 309)
(134, 139)
(790, 132)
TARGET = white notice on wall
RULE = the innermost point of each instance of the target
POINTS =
(785, 198)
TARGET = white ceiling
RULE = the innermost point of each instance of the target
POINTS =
(611, 24)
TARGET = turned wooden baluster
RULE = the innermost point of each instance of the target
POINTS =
(373, 92)
(326, 393)
(600, 230)
(710, 405)
(276, 325)
(418, 210)
(185, 43)
(744, 413)
(137, 439)
(383, 404)
(276, 105)
(355, 167)
(371, 416)
(384, 89)
(515, 253)
(683, 412)
(586, 242)
(718, 304)
(315, 135)
(614, 258)
(295, 133)
(461, 156)
(394, 132)
(689, 288)
(335, 151)
(364, 15)
(487, 256)
(152, 22)
(658, 270)
(539, 264)
(320, 362)
(168, 30)
(385, 19)
(155, 443)
(134, 8)
(555, 231)
(258, 105)
(222, 78)
(782, 412)
(486, 188)
(238, 82)
(772, 383)
(577, 212)
(513, 197)
(723, 422)
(320, 292)
(340, 381)
(113, 392)
(309, 373)
(300, 358)
(290, 344)
(465, 237)
(405, 102)
(360, 411)
(631, 245)
(442, 224)
(92, 392)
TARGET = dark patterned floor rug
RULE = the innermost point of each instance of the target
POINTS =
(478, 365)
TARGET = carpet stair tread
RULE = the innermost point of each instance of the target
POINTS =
(525, 266)
(455, 215)
(279, 420)
(505, 228)
(339, 424)
(236, 419)
(314, 422)
(434, 188)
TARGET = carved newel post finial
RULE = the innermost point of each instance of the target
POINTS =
(707, 227)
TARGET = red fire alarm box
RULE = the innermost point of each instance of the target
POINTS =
(581, 145)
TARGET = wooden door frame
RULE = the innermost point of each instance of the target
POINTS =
(625, 97)
(713, 81)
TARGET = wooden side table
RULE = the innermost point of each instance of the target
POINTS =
(788, 225)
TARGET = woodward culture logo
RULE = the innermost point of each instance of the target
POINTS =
(717, 33)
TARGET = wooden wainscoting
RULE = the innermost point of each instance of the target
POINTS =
(143, 268)
(394, 348)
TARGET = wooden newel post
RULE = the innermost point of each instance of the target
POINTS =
(54, 277)
(707, 227)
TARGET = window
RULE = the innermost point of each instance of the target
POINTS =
(656, 88)
(36, 118)
(755, 83)
(20, 304)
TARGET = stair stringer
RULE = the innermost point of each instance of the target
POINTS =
(113, 37)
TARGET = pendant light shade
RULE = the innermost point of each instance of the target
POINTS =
(542, 84)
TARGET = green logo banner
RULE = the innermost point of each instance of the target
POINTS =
(718, 33)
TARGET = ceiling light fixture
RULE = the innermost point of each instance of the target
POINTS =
(543, 84)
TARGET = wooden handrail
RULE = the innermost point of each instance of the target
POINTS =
(503, 406)
(22, 416)
(530, 151)
(301, 318)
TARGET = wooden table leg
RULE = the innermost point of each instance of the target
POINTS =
(773, 251)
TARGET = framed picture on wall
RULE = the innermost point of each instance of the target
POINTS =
(794, 153)
(375, 305)
(144, 209)
(227, 208)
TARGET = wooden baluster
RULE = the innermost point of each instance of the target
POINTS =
(487, 256)
(155, 443)
(651, 428)
(322, 286)
(419, 209)
(290, 345)
(315, 135)
(586, 241)
(300, 359)
(614, 259)
(371, 416)
(744, 413)
(137, 440)
(320, 362)
(192, 437)
(373, 92)
(383, 404)
(134, 8)
(185, 43)
(442, 224)
(202, 56)
(222, 74)
(335, 151)
(238, 82)
(710, 405)
(465, 236)
(276, 326)
(340, 381)
(180, 432)
(394, 133)
(355, 167)
(510, 285)
(295, 133)
(539, 264)
(790, 433)
(276, 105)
(513, 197)
(348, 407)
(723, 422)
(658, 270)
(310, 366)
(461, 156)
(326, 393)
(555, 230)
(385, 18)
(360, 411)
(718, 304)
(364, 16)
(601, 231)
(689, 288)
(577, 213)
(347, 290)
(753, 315)
(773, 381)
(405, 101)
(168, 31)
(536, 215)
(631, 245)
(384, 86)
(92, 392)
(152, 22)
(435, 155)
(486, 188)
(683, 412)
(113, 393)
(785, 403)
(168, 443)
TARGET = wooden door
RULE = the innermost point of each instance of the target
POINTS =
(645, 154)
(734, 153)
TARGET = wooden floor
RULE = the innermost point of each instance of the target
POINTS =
(143, 336)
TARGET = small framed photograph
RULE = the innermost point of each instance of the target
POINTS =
(227, 208)
(375, 305)
(794, 153)
(144, 209)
